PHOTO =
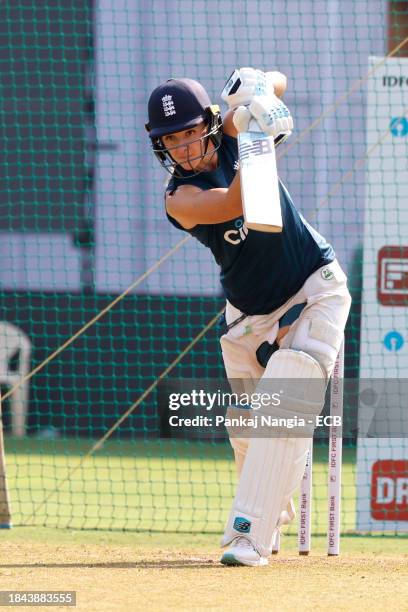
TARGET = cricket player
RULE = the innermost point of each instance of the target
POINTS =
(287, 300)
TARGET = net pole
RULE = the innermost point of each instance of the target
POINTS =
(5, 510)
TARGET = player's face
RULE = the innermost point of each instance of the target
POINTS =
(188, 147)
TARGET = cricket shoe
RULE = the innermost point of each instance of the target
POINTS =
(242, 552)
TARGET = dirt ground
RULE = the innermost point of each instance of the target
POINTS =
(179, 572)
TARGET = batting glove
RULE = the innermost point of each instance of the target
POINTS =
(243, 85)
(244, 121)
(272, 115)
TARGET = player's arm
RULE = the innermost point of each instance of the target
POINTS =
(279, 81)
(192, 206)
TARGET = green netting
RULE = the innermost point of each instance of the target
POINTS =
(82, 218)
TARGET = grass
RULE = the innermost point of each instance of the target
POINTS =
(138, 494)
(144, 486)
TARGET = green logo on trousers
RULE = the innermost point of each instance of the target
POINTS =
(327, 274)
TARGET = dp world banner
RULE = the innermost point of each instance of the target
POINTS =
(382, 454)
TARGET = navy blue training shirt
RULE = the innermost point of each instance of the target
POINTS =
(260, 271)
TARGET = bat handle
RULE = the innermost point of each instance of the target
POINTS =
(253, 126)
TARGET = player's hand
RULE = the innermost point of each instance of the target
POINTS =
(244, 121)
(243, 85)
(272, 116)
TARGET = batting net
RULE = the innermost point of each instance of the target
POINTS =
(82, 220)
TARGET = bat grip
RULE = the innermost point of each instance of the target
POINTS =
(254, 127)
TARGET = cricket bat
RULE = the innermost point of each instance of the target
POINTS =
(259, 180)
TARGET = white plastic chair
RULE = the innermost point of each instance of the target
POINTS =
(13, 340)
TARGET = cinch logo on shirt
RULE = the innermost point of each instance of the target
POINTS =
(235, 236)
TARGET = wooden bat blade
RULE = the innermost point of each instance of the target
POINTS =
(259, 182)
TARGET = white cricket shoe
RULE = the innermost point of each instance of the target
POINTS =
(242, 552)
